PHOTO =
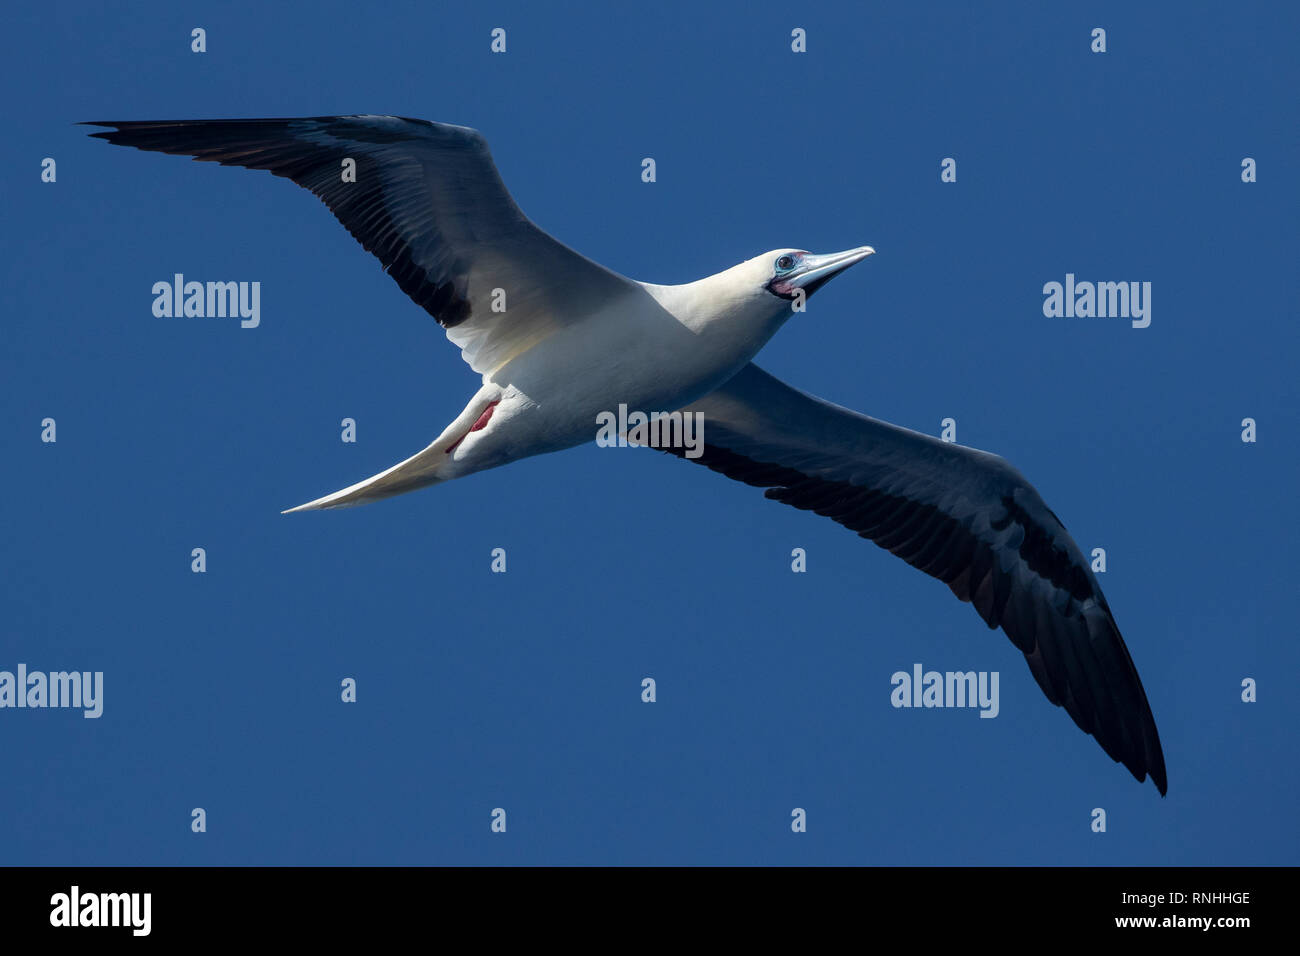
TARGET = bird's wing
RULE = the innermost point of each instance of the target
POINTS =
(963, 516)
(428, 201)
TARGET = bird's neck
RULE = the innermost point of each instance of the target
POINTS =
(731, 320)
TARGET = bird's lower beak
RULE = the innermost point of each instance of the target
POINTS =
(818, 270)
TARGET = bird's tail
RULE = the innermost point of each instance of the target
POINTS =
(428, 467)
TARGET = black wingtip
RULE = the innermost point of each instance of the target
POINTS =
(109, 128)
(1158, 778)
(1155, 765)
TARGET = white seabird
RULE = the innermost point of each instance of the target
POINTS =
(577, 340)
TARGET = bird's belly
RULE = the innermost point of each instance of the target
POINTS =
(649, 362)
(562, 391)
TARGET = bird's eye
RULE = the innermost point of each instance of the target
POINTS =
(785, 262)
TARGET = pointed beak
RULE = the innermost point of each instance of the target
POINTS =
(818, 270)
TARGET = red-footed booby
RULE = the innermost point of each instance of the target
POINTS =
(576, 340)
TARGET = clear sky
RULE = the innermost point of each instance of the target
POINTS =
(522, 690)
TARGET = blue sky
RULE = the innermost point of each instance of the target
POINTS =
(479, 690)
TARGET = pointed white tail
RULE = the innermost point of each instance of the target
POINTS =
(415, 472)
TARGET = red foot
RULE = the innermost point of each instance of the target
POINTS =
(477, 426)
(484, 418)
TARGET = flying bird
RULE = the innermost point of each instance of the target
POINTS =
(575, 339)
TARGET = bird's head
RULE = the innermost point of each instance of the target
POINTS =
(766, 289)
(741, 308)
(786, 273)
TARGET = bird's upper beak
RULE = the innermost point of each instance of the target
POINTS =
(818, 270)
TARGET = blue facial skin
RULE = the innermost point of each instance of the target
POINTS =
(801, 270)
(786, 265)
